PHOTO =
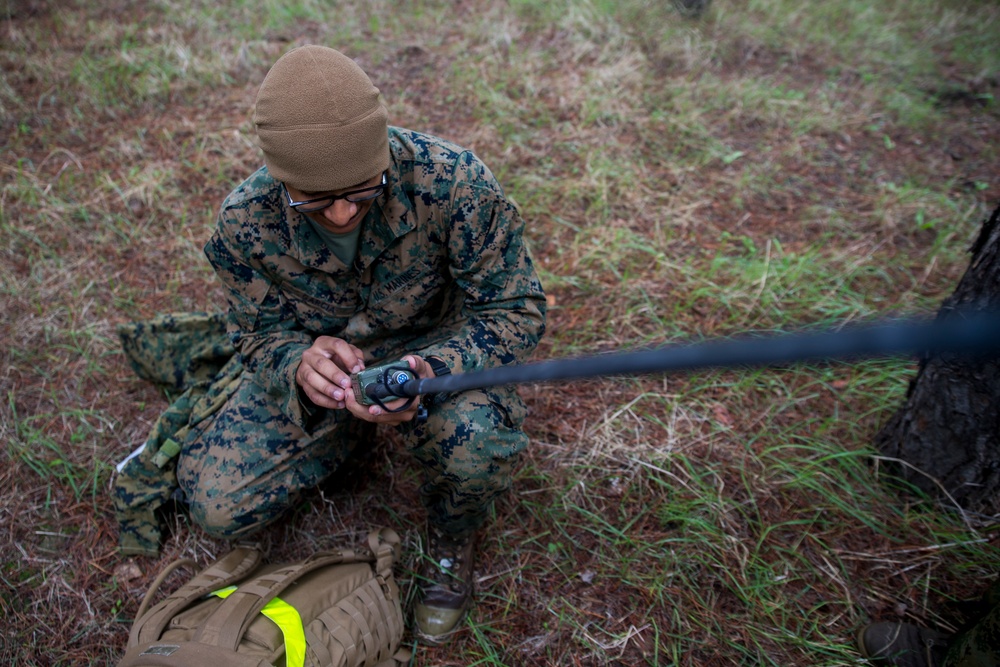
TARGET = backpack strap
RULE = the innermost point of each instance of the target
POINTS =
(386, 546)
(160, 578)
(289, 622)
(229, 569)
(229, 623)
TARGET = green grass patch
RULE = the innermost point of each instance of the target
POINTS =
(765, 166)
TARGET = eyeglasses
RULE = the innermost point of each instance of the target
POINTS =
(320, 203)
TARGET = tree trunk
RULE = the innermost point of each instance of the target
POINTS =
(947, 433)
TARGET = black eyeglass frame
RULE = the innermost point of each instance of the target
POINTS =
(303, 206)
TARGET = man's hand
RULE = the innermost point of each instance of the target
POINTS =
(324, 373)
(373, 413)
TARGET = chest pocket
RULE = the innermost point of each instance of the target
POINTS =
(321, 310)
(411, 300)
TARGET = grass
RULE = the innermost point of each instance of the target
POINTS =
(766, 166)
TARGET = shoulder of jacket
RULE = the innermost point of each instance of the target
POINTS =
(412, 146)
(421, 157)
(257, 187)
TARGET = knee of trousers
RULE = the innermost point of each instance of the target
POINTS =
(232, 516)
(242, 467)
(472, 438)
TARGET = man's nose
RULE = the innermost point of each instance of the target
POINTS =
(341, 212)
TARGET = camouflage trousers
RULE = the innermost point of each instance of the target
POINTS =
(226, 451)
(243, 466)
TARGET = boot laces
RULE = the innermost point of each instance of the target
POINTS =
(447, 558)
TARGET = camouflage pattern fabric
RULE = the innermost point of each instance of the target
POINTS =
(979, 644)
(442, 270)
(244, 466)
(188, 356)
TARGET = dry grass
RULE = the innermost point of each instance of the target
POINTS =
(767, 165)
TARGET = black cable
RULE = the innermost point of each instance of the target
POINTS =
(967, 335)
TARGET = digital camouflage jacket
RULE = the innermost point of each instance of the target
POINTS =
(442, 270)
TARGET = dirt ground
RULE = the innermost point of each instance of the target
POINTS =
(63, 579)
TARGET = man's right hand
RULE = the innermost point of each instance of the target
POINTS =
(324, 373)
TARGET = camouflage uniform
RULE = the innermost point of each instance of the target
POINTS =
(442, 270)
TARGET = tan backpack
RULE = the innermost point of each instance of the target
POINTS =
(334, 609)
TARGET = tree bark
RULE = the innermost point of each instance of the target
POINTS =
(947, 433)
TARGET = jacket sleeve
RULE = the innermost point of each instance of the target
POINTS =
(504, 305)
(262, 328)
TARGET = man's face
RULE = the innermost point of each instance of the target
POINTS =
(342, 215)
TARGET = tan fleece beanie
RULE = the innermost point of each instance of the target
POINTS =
(320, 121)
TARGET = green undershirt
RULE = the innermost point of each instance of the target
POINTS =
(344, 246)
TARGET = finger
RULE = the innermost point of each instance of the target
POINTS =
(330, 383)
(348, 357)
(419, 366)
(379, 415)
(391, 413)
(322, 400)
(337, 380)
(360, 357)
(360, 411)
(318, 358)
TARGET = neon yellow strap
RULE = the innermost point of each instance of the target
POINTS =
(288, 621)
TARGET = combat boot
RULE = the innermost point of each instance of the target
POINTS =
(446, 586)
(902, 645)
